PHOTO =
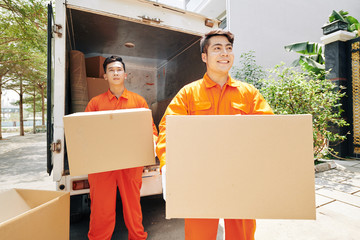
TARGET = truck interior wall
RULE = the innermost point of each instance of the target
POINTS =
(176, 73)
(141, 80)
(179, 71)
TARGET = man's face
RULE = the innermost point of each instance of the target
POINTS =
(219, 57)
(115, 73)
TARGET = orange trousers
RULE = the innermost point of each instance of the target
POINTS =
(103, 203)
(206, 229)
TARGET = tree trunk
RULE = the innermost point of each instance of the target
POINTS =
(21, 109)
(42, 106)
(34, 112)
(0, 108)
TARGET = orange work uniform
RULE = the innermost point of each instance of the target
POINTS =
(205, 97)
(103, 185)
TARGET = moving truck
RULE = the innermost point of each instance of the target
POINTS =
(160, 47)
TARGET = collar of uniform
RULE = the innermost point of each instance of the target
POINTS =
(210, 83)
(123, 95)
(232, 82)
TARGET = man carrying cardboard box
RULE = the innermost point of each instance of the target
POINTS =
(215, 94)
(103, 185)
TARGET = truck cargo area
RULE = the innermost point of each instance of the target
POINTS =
(159, 61)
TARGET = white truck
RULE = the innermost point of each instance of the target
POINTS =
(160, 47)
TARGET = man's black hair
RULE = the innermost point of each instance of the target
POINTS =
(204, 42)
(111, 59)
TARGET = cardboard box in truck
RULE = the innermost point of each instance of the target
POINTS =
(94, 66)
(34, 214)
(96, 86)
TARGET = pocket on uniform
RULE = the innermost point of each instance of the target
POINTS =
(201, 108)
(240, 108)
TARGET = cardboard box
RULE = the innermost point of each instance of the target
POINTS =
(34, 214)
(240, 167)
(94, 66)
(96, 86)
(109, 140)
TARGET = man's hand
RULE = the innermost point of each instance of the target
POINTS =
(163, 181)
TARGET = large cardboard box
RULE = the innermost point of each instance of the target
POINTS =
(109, 140)
(96, 86)
(34, 214)
(240, 167)
(94, 66)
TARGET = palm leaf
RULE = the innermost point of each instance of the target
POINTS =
(351, 20)
(311, 62)
(307, 48)
(337, 16)
(354, 26)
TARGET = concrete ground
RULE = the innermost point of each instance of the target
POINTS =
(23, 165)
(338, 209)
(23, 162)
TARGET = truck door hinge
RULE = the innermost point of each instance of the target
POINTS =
(56, 147)
(149, 19)
(57, 28)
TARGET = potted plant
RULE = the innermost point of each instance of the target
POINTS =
(341, 21)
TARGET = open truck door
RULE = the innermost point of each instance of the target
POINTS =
(159, 45)
(49, 84)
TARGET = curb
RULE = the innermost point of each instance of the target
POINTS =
(324, 166)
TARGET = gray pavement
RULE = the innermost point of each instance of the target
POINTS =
(23, 162)
(23, 165)
(337, 209)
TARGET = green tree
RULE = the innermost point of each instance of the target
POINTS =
(23, 26)
(26, 80)
(291, 91)
(36, 93)
(248, 71)
(17, 83)
(29, 18)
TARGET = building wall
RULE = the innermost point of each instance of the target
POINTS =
(267, 26)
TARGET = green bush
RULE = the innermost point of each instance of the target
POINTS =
(249, 71)
(291, 91)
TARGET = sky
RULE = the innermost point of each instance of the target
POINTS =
(7, 97)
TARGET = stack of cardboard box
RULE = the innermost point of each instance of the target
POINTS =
(95, 76)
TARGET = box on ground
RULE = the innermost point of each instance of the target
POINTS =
(34, 214)
(240, 167)
(109, 140)
(94, 66)
(96, 86)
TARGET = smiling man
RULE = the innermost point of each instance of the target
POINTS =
(103, 185)
(215, 94)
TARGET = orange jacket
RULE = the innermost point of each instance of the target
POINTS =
(205, 97)
(107, 101)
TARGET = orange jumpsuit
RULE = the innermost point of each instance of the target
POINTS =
(205, 97)
(103, 185)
